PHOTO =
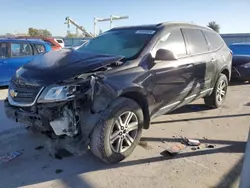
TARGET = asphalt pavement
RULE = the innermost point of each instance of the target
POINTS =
(224, 130)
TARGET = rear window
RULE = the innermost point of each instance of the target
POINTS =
(240, 49)
(214, 40)
(3, 50)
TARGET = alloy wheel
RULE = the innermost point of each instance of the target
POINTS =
(124, 132)
(221, 91)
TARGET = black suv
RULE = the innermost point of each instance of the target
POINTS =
(102, 95)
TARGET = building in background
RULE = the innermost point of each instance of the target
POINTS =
(236, 37)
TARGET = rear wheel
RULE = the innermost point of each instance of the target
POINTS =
(118, 132)
(218, 96)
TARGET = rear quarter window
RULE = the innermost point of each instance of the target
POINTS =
(40, 48)
(49, 43)
(214, 40)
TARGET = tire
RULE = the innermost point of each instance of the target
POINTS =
(101, 144)
(214, 100)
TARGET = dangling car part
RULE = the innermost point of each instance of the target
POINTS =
(102, 95)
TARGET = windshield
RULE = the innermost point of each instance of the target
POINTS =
(127, 42)
(240, 49)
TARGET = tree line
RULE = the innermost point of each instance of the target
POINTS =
(46, 33)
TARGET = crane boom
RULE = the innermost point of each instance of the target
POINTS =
(81, 28)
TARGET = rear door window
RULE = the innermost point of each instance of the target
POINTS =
(3, 50)
(174, 42)
(196, 41)
(21, 50)
(214, 40)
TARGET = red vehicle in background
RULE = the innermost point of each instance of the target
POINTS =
(49, 40)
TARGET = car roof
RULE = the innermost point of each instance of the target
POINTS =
(37, 41)
(163, 25)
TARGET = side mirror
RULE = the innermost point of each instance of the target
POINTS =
(165, 55)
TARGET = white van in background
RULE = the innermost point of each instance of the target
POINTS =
(60, 42)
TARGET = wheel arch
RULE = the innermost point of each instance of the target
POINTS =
(140, 98)
(226, 72)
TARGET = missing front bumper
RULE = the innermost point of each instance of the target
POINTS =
(27, 118)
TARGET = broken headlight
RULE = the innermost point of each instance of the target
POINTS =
(57, 93)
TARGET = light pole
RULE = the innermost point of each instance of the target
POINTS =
(110, 19)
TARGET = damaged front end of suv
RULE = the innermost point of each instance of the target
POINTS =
(95, 97)
(68, 110)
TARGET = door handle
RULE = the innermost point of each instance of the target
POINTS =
(188, 65)
(213, 60)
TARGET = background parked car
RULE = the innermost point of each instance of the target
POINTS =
(241, 61)
(49, 40)
(60, 42)
(16, 52)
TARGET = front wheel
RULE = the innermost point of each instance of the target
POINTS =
(118, 132)
(218, 96)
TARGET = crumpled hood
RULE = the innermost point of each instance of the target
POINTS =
(57, 66)
(240, 60)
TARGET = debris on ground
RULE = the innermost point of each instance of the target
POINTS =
(195, 148)
(57, 156)
(205, 138)
(58, 171)
(191, 142)
(173, 150)
(64, 153)
(39, 147)
(145, 145)
(210, 146)
(10, 156)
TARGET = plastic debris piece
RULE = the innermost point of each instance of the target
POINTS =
(58, 171)
(39, 147)
(191, 142)
(10, 156)
(173, 150)
(210, 146)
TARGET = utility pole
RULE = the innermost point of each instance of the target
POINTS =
(110, 19)
(69, 21)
